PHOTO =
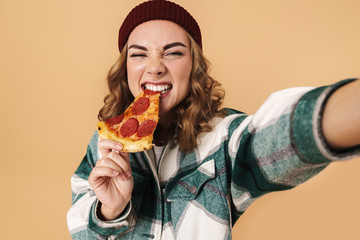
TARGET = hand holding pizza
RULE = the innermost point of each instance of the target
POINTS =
(131, 131)
(111, 179)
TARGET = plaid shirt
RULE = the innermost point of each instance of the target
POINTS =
(201, 194)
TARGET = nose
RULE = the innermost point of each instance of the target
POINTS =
(155, 66)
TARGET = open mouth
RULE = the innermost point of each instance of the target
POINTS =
(162, 88)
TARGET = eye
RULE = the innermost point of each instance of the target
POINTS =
(134, 55)
(175, 53)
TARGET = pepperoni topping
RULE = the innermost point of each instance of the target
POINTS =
(129, 127)
(141, 105)
(115, 120)
(146, 128)
(149, 92)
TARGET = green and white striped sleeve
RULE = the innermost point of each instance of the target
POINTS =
(281, 145)
(82, 219)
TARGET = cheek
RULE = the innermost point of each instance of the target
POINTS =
(184, 77)
(134, 73)
(183, 72)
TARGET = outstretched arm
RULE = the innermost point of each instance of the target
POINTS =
(341, 118)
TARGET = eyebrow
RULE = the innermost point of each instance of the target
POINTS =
(167, 46)
(174, 44)
(138, 47)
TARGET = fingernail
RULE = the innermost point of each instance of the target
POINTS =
(119, 146)
(115, 173)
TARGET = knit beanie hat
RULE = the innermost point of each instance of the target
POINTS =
(158, 10)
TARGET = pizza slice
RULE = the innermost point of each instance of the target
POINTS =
(134, 129)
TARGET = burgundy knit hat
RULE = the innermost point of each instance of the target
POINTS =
(158, 10)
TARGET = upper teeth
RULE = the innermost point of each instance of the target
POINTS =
(157, 87)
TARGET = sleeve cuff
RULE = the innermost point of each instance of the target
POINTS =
(113, 227)
(307, 135)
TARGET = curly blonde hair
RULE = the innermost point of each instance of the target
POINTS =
(193, 113)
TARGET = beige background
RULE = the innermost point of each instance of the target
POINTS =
(54, 56)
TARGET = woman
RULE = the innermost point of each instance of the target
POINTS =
(208, 164)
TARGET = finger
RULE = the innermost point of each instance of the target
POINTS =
(118, 163)
(107, 145)
(98, 175)
(110, 163)
(125, 156)
(101, 171)
(122, 160)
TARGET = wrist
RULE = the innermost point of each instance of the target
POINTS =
(107, 214)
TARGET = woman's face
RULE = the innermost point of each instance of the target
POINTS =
(159, 59)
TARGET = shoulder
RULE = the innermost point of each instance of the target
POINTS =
(231, 111)
(222, 125)
(229, 115)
